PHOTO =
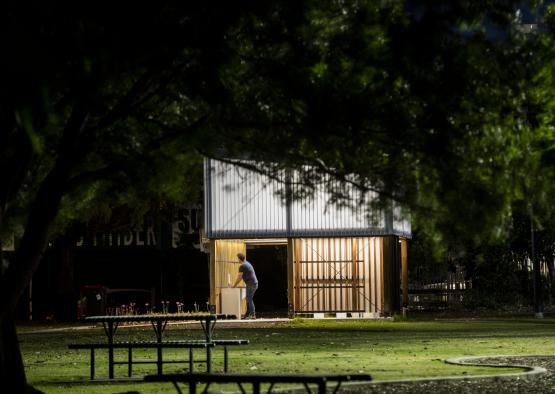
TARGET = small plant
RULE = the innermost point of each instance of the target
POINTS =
(400, 317)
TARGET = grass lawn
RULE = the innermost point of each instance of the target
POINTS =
(384, 349)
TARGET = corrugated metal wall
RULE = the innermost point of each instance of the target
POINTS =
(321, 216)
(401, 226)
(240, 203)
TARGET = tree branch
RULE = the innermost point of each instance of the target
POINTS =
(123, 106)
(154, 145)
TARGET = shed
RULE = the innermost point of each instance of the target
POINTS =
(337, 258)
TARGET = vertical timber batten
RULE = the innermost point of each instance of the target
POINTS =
(290, 281)
(404, 273)
(374, 278)
(212, 274)
(381, 278)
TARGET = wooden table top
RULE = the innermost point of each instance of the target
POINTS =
(159, 317)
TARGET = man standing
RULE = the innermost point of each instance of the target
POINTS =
(246, 273)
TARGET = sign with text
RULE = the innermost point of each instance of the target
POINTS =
(182, 230)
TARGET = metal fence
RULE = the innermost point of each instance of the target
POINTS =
(441, 293)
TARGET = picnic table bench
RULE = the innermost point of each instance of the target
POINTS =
(159, 322)
(130, 345)
(193, 379)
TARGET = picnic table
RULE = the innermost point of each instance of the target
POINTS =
(159, 322)
(257, 380)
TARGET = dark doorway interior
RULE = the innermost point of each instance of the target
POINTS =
(270, 264)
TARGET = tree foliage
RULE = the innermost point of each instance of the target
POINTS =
(444, 106)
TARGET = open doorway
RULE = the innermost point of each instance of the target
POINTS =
(270, 264)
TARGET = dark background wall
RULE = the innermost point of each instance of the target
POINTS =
(163, 258)
(270, 264)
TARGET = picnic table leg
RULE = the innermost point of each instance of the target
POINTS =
(159, 362)
(336, 390)
(208, 325)
(256, 387)
(129, 361)
(191, 362)
(110, 333)
(208, 359)
(159, 348)
(241, 388)
(208, 328)
(111, 362)
(177, 387)
(225, 358)
(92, 363)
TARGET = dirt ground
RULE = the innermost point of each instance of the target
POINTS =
(543, 383)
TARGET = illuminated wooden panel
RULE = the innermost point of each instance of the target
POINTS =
(372, 253)
(337, 275)
(226, 267)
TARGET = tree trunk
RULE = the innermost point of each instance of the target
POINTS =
(10, 355)
(11, 362)
(64, 298)
(15, 280)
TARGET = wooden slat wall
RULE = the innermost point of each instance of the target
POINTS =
(372, 267)
(226, 266)
(338, 274)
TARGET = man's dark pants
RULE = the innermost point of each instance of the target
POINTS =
(251, 289)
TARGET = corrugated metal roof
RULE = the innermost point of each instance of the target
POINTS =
(241, 203)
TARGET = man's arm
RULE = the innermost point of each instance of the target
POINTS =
(239, 279)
